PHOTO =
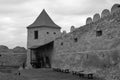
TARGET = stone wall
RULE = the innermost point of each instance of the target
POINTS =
(103, 34)
(12, 59)
(45, 35)
(90, 61)
(93, 47)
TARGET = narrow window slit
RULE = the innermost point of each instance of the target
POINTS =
(75, 39)
(99, 33)
(35, 34)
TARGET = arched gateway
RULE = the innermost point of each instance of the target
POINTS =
(40, 39)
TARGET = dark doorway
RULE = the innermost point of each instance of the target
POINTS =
(41, 56)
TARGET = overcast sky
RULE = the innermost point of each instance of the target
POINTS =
(16, 15)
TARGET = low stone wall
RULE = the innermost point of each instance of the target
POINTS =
(12, 59)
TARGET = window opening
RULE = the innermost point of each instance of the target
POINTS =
(35, 34)
(47, 32)
(118, 5)
(54, 33)
(75, 39)
(61, 43)
(99, 33)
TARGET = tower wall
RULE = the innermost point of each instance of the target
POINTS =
(45, 35)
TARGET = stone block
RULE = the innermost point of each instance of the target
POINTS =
(115, 7)
(96, 17)
(105, 13)
(88, 20)
(72, 28)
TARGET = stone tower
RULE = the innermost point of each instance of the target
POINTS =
(40, 36)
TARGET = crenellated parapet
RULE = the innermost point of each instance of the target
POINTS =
(89, 20)
(101, 33)
(72, 28)
(64, 32)
(92, 47)
(104, 13)
(96, 17)
(115, 7)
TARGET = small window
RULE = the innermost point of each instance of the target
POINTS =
(54, 33)
(61, 43)
(99, 33)
(47, 32)
(119, 6)
(86, 56)
(75, 39)
(35, 34)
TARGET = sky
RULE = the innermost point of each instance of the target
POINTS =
(16, 15)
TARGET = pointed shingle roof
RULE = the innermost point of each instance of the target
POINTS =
(43, 20)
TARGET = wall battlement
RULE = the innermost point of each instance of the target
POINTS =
(104, 13)
(98, 17)
(98, 34)
(92, 47)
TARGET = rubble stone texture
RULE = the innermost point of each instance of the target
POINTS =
(105, 13)
(96, 17)
(93, 47)
(115, 7)
(89, 20)
(12, 57)
(72, 28)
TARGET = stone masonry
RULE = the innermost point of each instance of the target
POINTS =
(94, 46)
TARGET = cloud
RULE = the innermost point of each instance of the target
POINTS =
(6, 2)
(76, 7)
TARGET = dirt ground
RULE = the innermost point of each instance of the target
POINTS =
(47, 74)
(40, 74)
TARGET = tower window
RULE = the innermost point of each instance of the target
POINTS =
(35, 34)
(75, 39)
(54, 33)
(118, 5)
(61, 43)
(99, 33)
(47, 32)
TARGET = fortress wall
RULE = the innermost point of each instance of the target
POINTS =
(115, 7)
(101, 35)
(88, 20)
(87, 61)
(12, 59)
(96, 17)
(105, 13)
(72, 28)
(94, 47)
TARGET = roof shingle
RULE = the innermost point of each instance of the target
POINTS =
(43, 20)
